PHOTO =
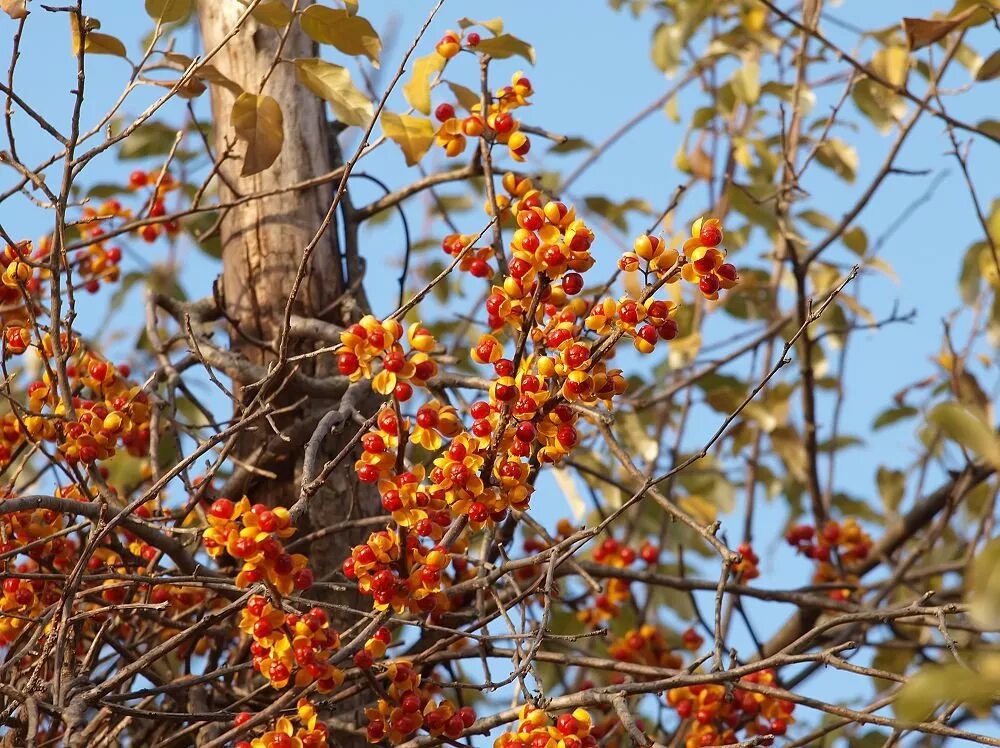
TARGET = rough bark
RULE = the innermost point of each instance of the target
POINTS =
(263, 242)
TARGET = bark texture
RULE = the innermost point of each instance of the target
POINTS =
(263, 242)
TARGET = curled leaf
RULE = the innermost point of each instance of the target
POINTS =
(418, 90)
(258, 121)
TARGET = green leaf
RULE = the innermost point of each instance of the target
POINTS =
(151, 139)
(938, 684)
(258, 121)
(351, 34)
(990, 127)
(273, 13)
(503, 46)
(571, 145)
(169, 11)
(466, 97)
(960, 425)
(817, 219)
(413, 135)
(418, 90)
(989, 69)
(333, 83)
(892, 415)
(891, 486)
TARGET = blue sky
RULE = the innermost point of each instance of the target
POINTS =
(593, 72)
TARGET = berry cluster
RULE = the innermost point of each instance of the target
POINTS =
(158, 185)
(111, 411)
(717, 717)
(310, 734)
(838, 543)
(286, 644)
(253, 535)
(408, 706)
(500, 126)
(607, 605)
(535, 728)
(370, 340)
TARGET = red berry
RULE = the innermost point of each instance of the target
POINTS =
(479, 268)
(222, 508)
(567, 724)
(402, 392)
(347, 363)
(777, 727)
(138, 178)
(525, 431)
(444, 112)
(472, 39)
(709, 285)
(572, 283)
(710, 234)
(367, 473)
(503, 123)
(468, 715)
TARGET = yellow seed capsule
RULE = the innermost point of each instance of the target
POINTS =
(647, 247)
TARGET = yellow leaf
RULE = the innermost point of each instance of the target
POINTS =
(259, 122)
(746, 82)
(568, 487)
(16, 9)
(333, 83)
(984, 586)
(169, 11)
(352, 35)
(892, 63)
(418, 90)
(494, 25)
(698, 507)
(503, 46)
(103, 44)
(960, 425)
(413, 134)
(273, 13)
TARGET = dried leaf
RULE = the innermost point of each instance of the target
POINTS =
(920, 32)
(96, 43)
(503, 46)
(989, 69)
(418, 90)
(351, 34)
(169, 11)
(259, 122)
(414, 135)
(333, 83)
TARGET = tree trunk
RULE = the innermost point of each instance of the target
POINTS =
(263, 241)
